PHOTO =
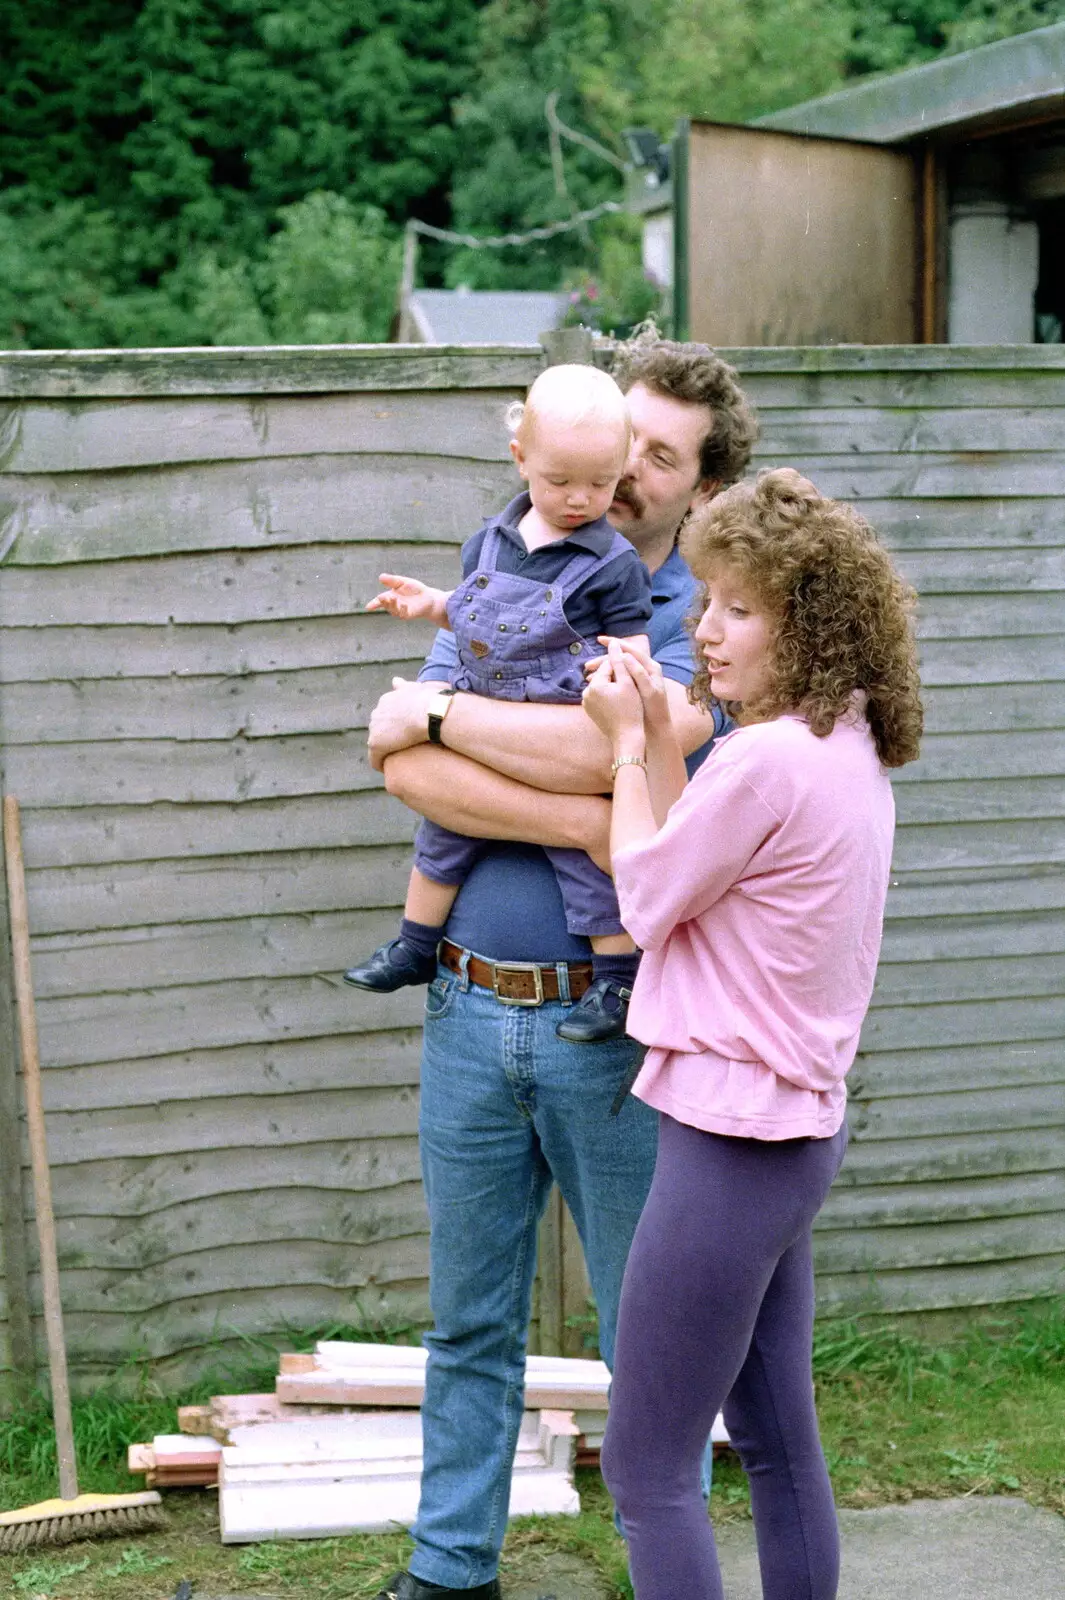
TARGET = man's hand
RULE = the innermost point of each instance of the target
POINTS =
(399, 719)
(409, 599)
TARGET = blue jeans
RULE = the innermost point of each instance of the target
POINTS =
(506, 1107)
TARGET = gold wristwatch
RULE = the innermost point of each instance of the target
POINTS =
(437, 709)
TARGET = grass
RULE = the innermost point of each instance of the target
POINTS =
(903, 1417)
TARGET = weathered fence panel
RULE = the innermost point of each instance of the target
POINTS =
(185, 680)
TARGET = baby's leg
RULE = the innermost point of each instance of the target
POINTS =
(410, 959)
(429, 902)
(592, 912)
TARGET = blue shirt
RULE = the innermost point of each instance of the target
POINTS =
(615, 600)
(511, 876)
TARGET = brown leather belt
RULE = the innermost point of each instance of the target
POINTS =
(516, 983)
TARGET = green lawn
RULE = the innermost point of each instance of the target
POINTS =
(982, 1412)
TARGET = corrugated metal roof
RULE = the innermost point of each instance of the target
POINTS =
(998, 84)
(483, 316)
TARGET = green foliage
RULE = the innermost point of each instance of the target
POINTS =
(237, 171)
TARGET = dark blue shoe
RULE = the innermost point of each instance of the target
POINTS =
(392, 966)
(600, 1014)
(405, 1586)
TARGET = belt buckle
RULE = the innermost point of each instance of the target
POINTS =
(519, 966)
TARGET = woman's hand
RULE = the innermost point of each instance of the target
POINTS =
(614, 702)
(646, 674)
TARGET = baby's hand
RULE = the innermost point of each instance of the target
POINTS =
(408, 598)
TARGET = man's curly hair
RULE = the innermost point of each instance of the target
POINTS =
(843, 616)
(692, 372)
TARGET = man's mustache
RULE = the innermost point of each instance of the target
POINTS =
(626, 493)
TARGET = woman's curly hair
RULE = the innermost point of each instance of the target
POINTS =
(843, 615)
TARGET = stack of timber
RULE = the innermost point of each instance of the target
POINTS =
(175, 1461)
(342, 1373)
(361, 1473)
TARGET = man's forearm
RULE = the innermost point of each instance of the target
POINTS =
(550, 747)
(458, 793)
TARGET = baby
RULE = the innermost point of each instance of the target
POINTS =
(542, 582)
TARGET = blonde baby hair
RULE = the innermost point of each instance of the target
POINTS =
(567, 396)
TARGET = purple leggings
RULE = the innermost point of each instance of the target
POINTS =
(717, 1314)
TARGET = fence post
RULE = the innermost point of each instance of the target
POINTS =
(562, 345)
(12, 1210)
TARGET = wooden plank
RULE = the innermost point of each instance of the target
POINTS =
(17, 1330)
(940, 1244)
(962, 1112)
(959, 475)
(46, 520)
(233, 1269)
(984, 1021)
(251, 705)
(971, 893)
(258, 370)
(993, 661)
(924, 1071)
(958, 938)
(216, 888)
(221, 587)
(137, 1185)
(994, 800)
(965, 523)
(943, 846)
(98, 435)
(786, 432)
(140, 772)
(947, 1157)
(188, 1339)
(206, 1016)
(987, 616)
(958, 572)
(177, 1234)
(272, 1122)
(895, 1207)
(370, 1060)
(970, 755)
(64, 836)
(941, 1288)
(162, 955)
(917, 984)
(965, 708)
(35, 655)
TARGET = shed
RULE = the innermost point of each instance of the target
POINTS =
(483, 316)
(927, 206)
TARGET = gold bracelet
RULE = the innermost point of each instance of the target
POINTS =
(627, 761)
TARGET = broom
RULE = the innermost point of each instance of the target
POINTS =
(73, 1516)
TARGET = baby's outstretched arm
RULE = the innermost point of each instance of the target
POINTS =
(408, 598)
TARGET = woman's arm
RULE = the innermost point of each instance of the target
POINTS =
(666, 772)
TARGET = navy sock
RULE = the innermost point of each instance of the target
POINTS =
(620, 968)
(420, 937)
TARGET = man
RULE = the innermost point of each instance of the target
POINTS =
(506, 1106)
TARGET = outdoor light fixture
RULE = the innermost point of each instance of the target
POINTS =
(646, 150)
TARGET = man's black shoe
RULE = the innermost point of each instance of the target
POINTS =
(405, 1586)
(599, 1014)
(392, 966)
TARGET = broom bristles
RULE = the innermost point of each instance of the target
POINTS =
(58, 1522)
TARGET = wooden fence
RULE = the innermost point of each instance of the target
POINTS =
(185, 678)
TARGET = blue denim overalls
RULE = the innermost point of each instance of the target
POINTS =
(514, 643)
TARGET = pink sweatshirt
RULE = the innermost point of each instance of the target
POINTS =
(759, 906)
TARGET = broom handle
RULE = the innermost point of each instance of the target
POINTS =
(42, 1186)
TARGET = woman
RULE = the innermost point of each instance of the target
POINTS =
(757, 894)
